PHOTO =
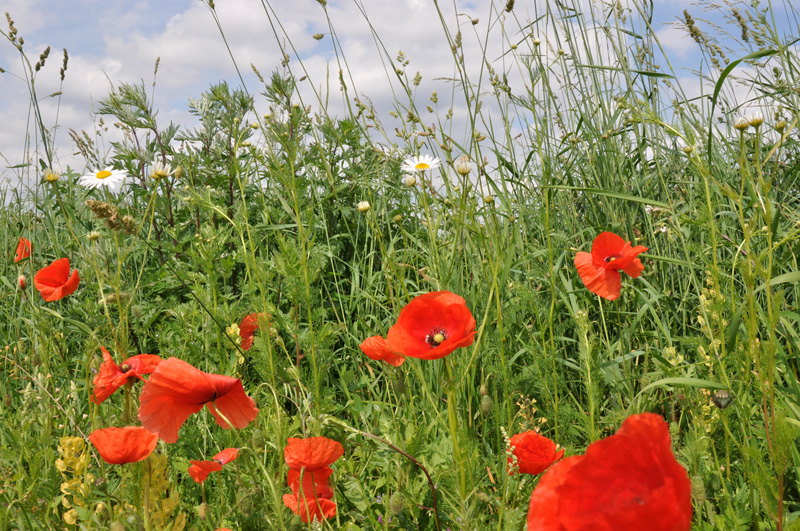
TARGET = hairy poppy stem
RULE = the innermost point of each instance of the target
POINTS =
(452, 418)
(399, 451)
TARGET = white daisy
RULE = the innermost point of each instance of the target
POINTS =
(415, 164)
(159, 170)
(111, 179)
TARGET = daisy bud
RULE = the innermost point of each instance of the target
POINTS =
(23, 281)
(475, 21)
(486, 404)
(780, 126)
(537, 42)
(398, 218)
(688, 149)
(462, 165)
(755, 119)
(488, 199)
(318, 36)
(363, 206)
(397, 502)
(409, 181)
(93, 236)
(178, 173)
(741, 123)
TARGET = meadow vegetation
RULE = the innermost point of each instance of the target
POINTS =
(308, 218)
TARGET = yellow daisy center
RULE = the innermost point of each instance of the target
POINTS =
(103, 174)
(422, 166)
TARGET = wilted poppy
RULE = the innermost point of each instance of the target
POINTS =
(112, 376)
(432, 326)
(375, 348)
(626, 482)
(249, 324)
(201, 469)
(54, 282)
(23, 250)
(118, 446)
(176, 389)
(599, 270)
(534, 452)
(310, 509)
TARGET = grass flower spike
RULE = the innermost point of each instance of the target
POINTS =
(625, 482)
(176, 389)
(415, 164)
(55, 282)
(432, 326)
(110, 179)
(119, 446)
(23, 250)
(599, 270)
(112, 376)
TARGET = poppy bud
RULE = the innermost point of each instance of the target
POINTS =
(23, 281)
(486, 405)
(698, 490)
(178, 173)
(484, 498)
(483, 391)
(397, 502)
(258, 439)
(400, 384)
(202, 511)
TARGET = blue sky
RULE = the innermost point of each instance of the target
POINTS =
(120, 41)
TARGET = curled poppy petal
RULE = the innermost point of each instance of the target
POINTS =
(534, 452)
(628, 481)
(311, 453)
(599, 270)
(375, 348)
(54, 282)
(201, 469)
(432, 326)
(248, 326)
(118, 446)
(310, 509)
(23, 250)
(176, 389)
(112, 376)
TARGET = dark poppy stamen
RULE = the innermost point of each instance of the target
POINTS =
(124, 367)
(436, 337)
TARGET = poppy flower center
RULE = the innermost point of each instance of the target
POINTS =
(611, 258)
(103, 174)
(436, 337)
(124, 367)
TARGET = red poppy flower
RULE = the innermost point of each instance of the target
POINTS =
(249, 324)
(23, 282)
(311, 453)
(599, 270)
(176, 389)
(310, 509)
(54, 281)
(201, 469)
(626, 482)
(118, 446)
(23, 250)
(432, 326)
(375, 348)
(534, 452)
(111, 377)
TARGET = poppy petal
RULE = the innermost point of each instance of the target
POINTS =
(311, 453)
(606, 283)
(605, 245)
(310, 509)
(118, 446)
(226, 456)
(54, 281)
(375, 348)
(23, 250)
(233, 408)
(315, 483)
(534, 452)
